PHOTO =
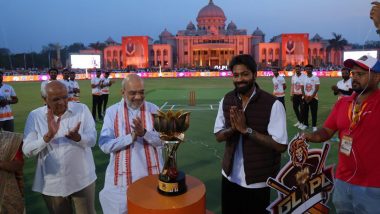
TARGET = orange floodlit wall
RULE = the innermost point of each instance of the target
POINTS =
(135, 51)
(295, 49)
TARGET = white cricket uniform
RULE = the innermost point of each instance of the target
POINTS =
(344, 85)
(106, 89)
(74, 85)
(6, 92)
(96, 81)
(278, 86)
(309, 85)
(297, 82)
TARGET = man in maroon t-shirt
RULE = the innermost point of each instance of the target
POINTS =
(355, 118)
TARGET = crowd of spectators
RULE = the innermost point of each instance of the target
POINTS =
(20, 72)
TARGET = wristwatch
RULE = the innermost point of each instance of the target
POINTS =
(248, 131)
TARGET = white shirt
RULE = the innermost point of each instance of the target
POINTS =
(278, 86)
(345, 85)
(96, 81)
(63, 166)
(74, 85)
(106, 89)
(276, 129)
(309, 84)
(69, 88)
(109, 144)
(6, 92)
(297, 82)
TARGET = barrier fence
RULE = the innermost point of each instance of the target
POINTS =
(196, 74)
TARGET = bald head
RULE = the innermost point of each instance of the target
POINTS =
(54, 85)
(130, 79)
(133, 90)
(56, 97)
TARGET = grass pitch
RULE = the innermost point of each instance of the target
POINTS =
(200, 155)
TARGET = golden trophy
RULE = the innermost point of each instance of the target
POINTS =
(171, 126)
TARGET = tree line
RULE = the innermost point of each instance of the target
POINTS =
(46, 58)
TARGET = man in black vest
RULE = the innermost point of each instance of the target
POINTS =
(252, 122)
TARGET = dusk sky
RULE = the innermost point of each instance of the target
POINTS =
(29, 24)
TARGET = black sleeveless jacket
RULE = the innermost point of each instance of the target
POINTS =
(260, 162)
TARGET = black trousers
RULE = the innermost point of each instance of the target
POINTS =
(105, 101)
(97, 105)
(7, 125)
(240, 200)
(313, 106)
(297, 106)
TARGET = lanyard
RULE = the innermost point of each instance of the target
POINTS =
(355, 112)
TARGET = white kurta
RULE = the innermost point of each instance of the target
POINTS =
(63, 166)
(113, 197)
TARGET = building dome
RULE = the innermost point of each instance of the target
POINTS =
(211, 18)
(190, 26)
(165, 33)
(231, 26)
(211, 11)
(317, 38)
(257, 32)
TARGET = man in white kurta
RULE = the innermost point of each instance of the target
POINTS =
(134, 147)
(61, 135)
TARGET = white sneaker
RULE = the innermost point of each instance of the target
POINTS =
(297, 124)
(315, 129)
(302, 127)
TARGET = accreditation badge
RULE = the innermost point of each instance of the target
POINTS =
(346, 145)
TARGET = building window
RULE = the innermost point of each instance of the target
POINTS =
(185, 53)
(240, 52)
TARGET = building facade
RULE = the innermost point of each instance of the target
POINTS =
(211, 43)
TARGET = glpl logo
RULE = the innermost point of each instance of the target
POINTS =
(303, 184)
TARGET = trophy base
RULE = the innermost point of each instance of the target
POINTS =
(173, 187)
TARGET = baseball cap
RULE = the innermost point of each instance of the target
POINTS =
(366, 62)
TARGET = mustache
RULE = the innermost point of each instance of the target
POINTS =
(355, 82)
(240, 82)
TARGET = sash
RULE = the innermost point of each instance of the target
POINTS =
(122, 164)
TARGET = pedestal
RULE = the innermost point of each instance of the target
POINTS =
(144, 198)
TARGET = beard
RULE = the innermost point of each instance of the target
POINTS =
(133, 104)
(243, 89)
(358, 88)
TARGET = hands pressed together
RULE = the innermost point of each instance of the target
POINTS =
(138, 128)
(237, 117)
(53, 127)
